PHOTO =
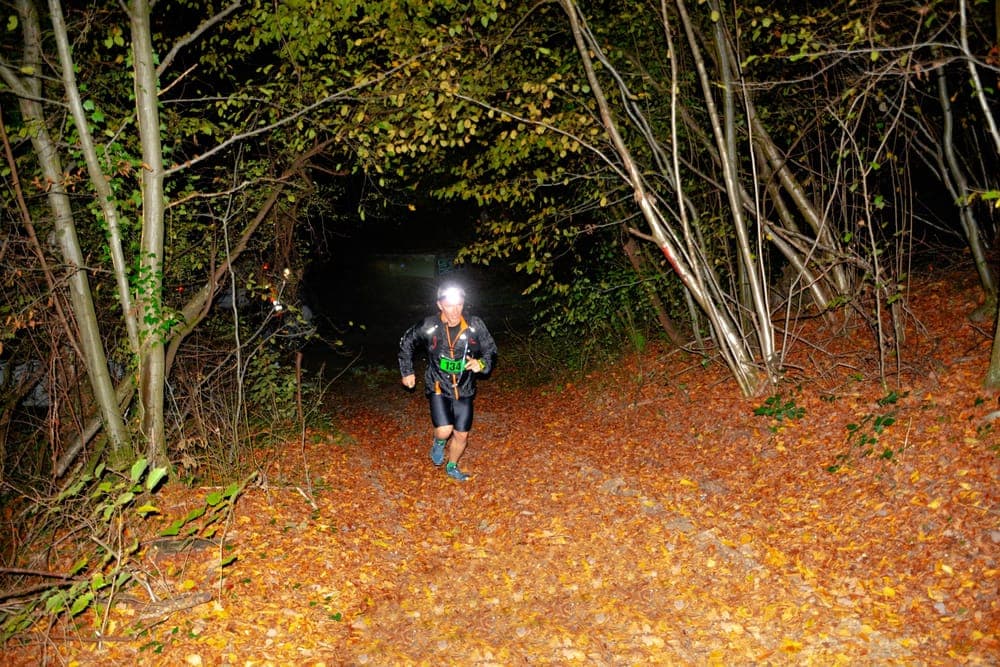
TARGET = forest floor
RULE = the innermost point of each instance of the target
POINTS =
(640, 514)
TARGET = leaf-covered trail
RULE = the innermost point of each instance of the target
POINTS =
(641, 515)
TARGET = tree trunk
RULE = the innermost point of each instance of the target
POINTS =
(725, 135)
(960, 191)
(634, 256)
(154, 321)
(993, 372)
(90, 340)
(100, 183)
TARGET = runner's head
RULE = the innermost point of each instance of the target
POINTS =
(451, 294)
(451, 299)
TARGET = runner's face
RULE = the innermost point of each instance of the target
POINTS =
(452, 312)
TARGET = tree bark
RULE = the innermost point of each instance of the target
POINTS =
(993, 372)
(961, 191)
(634, 256)
(105, 198)
(155, 324)
(29, 92)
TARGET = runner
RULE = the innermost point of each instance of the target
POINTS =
(458, 350)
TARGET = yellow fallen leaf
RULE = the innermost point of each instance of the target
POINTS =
(934, 504)
(687, 482)
(574, 654)
(889, 591)
(187, 584)
(776, 558)
(791, 646)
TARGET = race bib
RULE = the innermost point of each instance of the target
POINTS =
(454, 366)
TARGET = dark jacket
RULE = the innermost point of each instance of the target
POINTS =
(445, 367)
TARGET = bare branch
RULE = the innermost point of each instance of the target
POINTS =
(195, 34)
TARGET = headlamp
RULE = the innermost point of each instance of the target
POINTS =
(452, 295)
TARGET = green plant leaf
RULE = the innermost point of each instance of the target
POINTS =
(155, 475)
(55, 602)
(78, 566)
(173, 529)
(138, 468)
(81, 603)
(193, 514)
(147, 509)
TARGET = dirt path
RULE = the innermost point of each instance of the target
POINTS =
(640, 516)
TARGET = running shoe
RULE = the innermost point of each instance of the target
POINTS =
(455, 473)
(437, 451)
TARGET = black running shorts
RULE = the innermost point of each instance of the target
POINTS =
(450, 411)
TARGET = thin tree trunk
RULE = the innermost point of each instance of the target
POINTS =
(101, 184)
(795, 190)
(90, 339)
(993, 372)
(725, 134)
(970, 227)
(155, 324)
(634, 256)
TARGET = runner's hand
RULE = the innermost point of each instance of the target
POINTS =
(410, 381)
(477, 368)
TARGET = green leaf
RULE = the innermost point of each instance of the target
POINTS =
(78, 566)
(124, 498)
(81, 603)
(173, 529)
(214, 498)
(71, 491)
(138, 468)
(155, 475)
(55, 602)
(147, 509)
(194, 514)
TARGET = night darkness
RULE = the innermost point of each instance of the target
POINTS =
(372, 280)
